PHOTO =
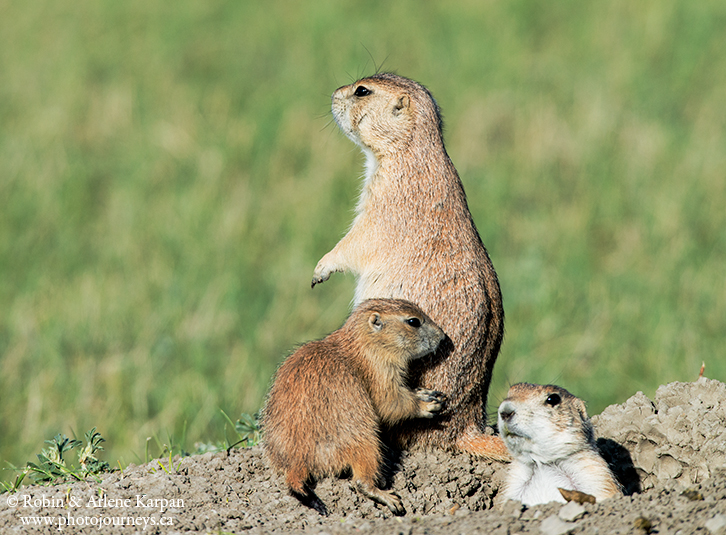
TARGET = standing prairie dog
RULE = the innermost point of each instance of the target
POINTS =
(331, 397)
(413, 238)
(551, 439)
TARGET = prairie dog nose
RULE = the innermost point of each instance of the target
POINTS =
(506, 411)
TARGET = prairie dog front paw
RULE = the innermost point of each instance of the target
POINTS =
(430, 402)
(323, 271)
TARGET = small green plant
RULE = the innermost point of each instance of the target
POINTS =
(247, 429)
(7, 486)
(52, 468)
(247, 434)
(51, 463)
(169, 448)
(87, 456)
(168, 452)
(170, 469)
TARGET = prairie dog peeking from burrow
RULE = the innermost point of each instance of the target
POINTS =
(552, 442)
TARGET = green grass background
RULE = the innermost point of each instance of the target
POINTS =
(169, 178)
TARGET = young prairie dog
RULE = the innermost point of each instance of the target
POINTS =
(413, 238)
(552, 442)
(331, 397)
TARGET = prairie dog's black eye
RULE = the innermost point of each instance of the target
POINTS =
(553, 400)
(362, 91)
(414, 322)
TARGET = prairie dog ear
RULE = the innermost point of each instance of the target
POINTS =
(581, 409)
(403, 104)
(374, 321)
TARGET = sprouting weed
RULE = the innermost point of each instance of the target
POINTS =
(52, 466)
(170, 469)
(247, 429)
(87, 456)
(10, 487)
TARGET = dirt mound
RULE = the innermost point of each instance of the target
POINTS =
(679, 435)
(672, 448)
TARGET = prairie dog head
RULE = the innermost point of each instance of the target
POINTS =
(379, 113)
(544, 423)
(395, 330)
